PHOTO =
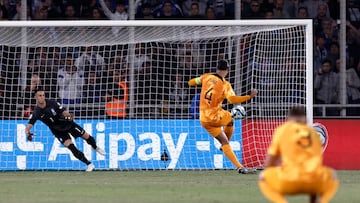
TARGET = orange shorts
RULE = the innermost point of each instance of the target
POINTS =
(318, 184)
(214, 126)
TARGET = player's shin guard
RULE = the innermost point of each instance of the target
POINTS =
(78, 154)
(229, 153)
(228, 130)
(91, 141)
(271, 194)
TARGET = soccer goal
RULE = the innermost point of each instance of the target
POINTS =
(126, 84)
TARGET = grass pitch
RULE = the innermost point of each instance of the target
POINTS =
(148, 187)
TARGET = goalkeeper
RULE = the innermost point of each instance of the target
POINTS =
(61, 124)
(212, 117)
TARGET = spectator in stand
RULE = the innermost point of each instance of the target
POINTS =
(70, 12)
(352, 44)
(168, 10)
(146, 90)
(52, 11)
(302, 13)
(92, 94)
(269, 14)
(195, 107)
(316, 8)
(96, 14)
(145, 13)
(116, 97)
(353, 89)
(178, 94)
(18, 14)
(70, 83)
(119, 62)
(320, 52)
(195, 12)
(255, 11)
(90, 60)
(140, 57)
(92, 89)
(329, 31)
(322, 14)
(41, 14)
(3, 12)
(120, 12)
(210, 13)
(280, 10)
(29, 101)
(333, 54)
(327, 88)
(187, 7)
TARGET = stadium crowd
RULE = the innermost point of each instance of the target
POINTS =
(80, 71)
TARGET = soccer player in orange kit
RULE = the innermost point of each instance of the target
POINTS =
(299, 149)
(214, 89)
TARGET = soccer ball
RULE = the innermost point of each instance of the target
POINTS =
(323, 134)
(238, 112)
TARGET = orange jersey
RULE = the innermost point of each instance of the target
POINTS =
(213, 92)
(299, 147)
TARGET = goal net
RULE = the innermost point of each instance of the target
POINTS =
(126, 84)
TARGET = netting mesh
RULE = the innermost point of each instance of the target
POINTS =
(155, 123)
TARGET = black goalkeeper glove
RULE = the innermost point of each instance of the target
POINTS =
(30, 136)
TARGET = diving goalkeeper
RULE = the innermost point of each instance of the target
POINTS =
(213, 117)
(61, 124)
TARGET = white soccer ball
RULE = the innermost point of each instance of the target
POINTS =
(323, 134)
(238, 112)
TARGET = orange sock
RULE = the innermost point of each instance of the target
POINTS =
(229, 153)
(228, 130)
(271, 194)
(330, 192)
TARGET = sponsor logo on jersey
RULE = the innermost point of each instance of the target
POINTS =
(53, 112)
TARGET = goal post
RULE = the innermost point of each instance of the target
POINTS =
(125, 82)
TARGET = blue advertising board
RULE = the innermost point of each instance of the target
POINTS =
(129, 144)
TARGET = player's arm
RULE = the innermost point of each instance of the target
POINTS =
(273, 157)
(32, 120)
(194, 82)
(28, 128)
(61, 110)
(234, 99)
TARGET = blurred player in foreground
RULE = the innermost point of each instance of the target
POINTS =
(61, 124)
(298, 147)
(212, 116)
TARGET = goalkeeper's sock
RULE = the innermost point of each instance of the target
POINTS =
(78, 154)
(228, 130)
(270, 193)
(229, 153)
(91, 142)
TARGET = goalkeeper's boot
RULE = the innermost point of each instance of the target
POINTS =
(90, 168)
(100, 151)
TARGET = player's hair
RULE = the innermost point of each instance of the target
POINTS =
(326, 61)
(297, 111)
(223, 65)
(37, 89)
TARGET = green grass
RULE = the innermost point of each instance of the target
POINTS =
(148, 187)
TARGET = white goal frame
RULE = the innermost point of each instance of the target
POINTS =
(287, 43)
